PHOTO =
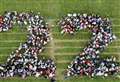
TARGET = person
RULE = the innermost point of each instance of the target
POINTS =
(53, 79)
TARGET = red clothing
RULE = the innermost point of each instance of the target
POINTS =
(1, 19)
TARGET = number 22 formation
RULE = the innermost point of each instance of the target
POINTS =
(24, 61)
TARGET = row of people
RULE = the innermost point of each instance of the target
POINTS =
(89, 61)
(24, 61)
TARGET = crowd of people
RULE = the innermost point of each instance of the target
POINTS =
(24, 60)
(89, 62)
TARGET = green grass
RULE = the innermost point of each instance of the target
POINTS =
(52, 10)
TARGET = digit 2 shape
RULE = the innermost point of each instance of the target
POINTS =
(89, 62)
(24, 60)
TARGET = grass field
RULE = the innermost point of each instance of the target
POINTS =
(63, 48)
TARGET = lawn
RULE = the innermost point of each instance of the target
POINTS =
(65, 47)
